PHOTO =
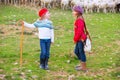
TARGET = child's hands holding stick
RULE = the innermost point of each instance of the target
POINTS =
(20, 22)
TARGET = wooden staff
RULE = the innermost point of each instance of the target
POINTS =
(21, 43)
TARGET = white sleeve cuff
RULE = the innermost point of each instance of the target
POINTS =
(52, 35)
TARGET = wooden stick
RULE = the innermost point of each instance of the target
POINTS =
(21, 44)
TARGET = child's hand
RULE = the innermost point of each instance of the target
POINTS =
(20, 22)
(82, 40)
(52, 42)
(74, 42)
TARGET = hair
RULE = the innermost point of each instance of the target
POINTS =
(79, 15)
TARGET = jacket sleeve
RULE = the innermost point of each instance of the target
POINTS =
(40, 24)
(28, 25)
(52, 35)
(78, 31)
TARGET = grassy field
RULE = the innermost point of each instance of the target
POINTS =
(103, 63)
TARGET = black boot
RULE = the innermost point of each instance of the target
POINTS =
(46, 64)
(42, 61)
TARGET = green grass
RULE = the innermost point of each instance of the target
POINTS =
(103, 64)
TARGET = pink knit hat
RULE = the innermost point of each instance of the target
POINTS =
(78, 9)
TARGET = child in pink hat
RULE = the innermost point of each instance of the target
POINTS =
(79, 37)
(46, 35)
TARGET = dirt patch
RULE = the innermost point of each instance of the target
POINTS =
(6, 30)
(117, 42)
(59, 73)
(2, 76)
(101, 72)
(1, 70)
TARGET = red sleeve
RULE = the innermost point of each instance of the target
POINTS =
(79, 30)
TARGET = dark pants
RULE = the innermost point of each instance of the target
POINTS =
(45, 48)
(79, 51)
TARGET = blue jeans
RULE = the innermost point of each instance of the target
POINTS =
(45, 48)
(79, 51)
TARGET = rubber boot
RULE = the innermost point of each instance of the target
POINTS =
(82, 67)
(42, 63)
(46, 64)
